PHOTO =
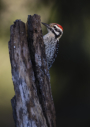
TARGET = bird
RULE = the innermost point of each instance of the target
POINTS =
(51, 41)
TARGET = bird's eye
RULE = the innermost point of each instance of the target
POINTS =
(56, 29)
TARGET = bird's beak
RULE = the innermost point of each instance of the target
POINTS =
(46, 25)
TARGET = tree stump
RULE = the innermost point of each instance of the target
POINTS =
(33, 103)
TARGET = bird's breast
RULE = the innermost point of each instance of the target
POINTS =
(50, 49)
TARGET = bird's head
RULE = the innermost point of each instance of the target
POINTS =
(55, 28)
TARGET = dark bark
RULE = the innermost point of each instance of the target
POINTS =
(32, 104)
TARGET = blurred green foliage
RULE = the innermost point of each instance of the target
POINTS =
(70, 74)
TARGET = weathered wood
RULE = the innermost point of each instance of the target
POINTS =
(33, 104)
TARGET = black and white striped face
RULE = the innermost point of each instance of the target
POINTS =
(55, 28)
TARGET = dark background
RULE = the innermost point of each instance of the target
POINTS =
(70, 74)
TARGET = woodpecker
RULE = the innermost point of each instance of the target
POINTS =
(51, 41)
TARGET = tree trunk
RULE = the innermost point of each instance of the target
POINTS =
(33, 103)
